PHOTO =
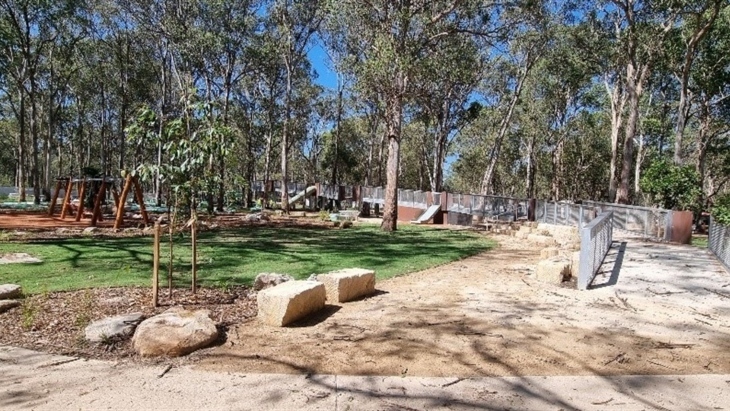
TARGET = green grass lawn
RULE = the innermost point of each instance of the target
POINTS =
(235, 257)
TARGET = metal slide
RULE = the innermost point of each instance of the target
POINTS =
(302, 194)
(427, 215)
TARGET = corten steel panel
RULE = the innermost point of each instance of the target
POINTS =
(429, 198)
(681, 227)
(408, 213)
(356, 190)
(438, 218)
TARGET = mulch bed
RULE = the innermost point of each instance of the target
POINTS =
(55, 322)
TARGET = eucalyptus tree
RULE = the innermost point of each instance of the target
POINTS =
(709, 87)
(28, 28)
(444, 99)
(387, 43)
(294, 24)
(698, 19)
(516, 55)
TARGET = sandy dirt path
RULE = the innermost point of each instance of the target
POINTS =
(659, 309)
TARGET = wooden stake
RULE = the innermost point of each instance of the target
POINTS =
(194, 239)
(122, 199)
(156, 266)
(67, 198)
(80, 211)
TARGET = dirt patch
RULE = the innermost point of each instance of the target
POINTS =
(488, 316)
(668, 312)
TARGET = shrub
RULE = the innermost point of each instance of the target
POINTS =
(721, 209)
(671, 186)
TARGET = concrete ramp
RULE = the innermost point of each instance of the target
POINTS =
(427, 215)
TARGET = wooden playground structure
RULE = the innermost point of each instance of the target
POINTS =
(85, 184)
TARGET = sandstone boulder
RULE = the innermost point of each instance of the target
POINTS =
(549, 252)
(19, 258)
(553, 270)
(575, 264)
(8, 304)
(347, 285)
(268, 280)
(290, 301)
(174, 333)
(8, 291)
(113, 328)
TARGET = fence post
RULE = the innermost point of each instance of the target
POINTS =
(580, 216)
(555, 214)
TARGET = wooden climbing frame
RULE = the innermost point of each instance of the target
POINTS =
(107, 184)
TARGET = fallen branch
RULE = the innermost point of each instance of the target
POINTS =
(662, 365)
(61, 362)
(718, 293)
(664, 293)
(449, 384)
(165, 371)
(618, 358)
(603, 402)
(670, 346)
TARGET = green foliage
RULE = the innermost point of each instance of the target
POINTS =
(721, 209)
(671, 186)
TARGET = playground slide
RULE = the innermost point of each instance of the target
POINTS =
(302, 195)
(428, 214)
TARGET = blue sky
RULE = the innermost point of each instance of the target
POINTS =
(321, 64)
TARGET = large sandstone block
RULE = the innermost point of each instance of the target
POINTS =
(8, 291)
(290, 301)
(549, 252)
(349, 284)
(554, 270)
(174, 333)
(113, 328)
(542, 240)
(267, 280)
(575, 264)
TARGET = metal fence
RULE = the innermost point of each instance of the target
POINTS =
(562, 213)
(719, 242)
(595, 241)
(645, 221)
(489, 207)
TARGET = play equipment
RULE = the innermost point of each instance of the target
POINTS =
(107, 184)
(428, 214)
(303, 194)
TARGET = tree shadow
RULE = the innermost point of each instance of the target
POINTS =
(615, 257)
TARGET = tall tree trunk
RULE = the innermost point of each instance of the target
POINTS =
(618, 99)
(704, 139)
(494, 152)
(635, 77)
(35, 172)
(285, 140)
(21, 147)
(530, 177)
(394, 117)
(557, 162)
(701, 31)
(338, 122)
